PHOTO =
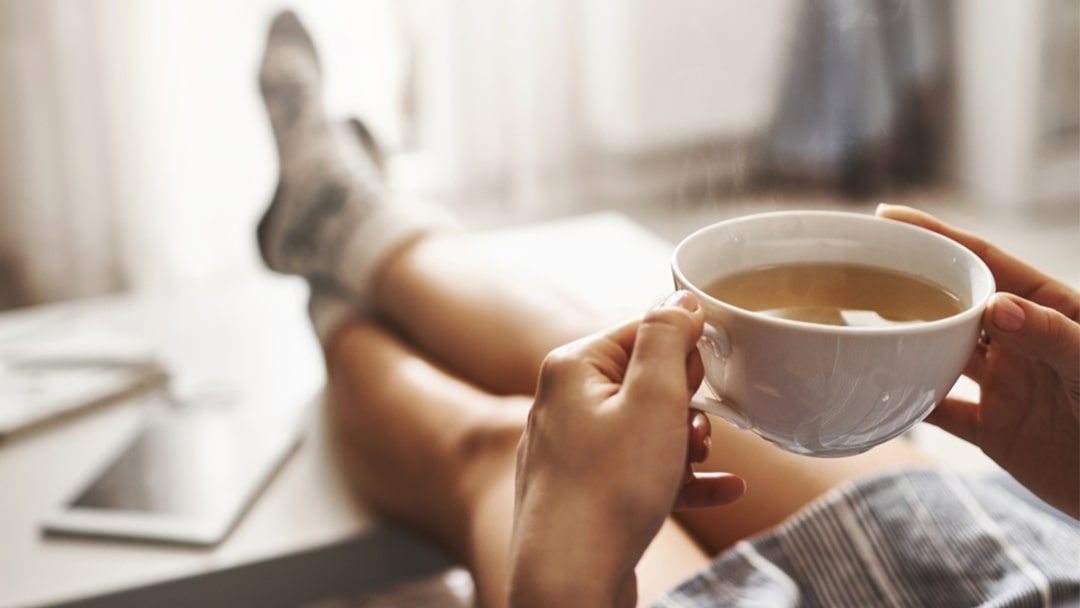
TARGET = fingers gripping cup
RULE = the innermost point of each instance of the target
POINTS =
(828, 333)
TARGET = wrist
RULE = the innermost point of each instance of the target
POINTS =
(566, 580)
(557, 585)
(569, 554)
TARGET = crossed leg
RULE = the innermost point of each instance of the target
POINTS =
(429, 403)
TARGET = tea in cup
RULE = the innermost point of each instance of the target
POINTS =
(828, 333)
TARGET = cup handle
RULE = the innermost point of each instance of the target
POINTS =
(714, 342)
(723, 408)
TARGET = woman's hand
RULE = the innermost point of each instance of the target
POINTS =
(606, 456)
(1026, 417)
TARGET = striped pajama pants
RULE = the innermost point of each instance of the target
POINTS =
(913, 538)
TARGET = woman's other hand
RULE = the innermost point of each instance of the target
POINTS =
(1028, 372)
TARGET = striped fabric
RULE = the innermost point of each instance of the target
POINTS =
(915, 538)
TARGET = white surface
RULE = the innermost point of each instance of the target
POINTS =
(250, 340)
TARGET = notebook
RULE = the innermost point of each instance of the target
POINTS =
(53, 370)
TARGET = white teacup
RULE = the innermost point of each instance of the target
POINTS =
(826, 390)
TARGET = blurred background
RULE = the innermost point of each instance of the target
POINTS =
(135, 152)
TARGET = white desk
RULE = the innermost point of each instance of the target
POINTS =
(303, 536)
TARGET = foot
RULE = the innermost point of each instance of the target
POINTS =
(328, 178)
(329, 185)
(330, 220)
(291, 83)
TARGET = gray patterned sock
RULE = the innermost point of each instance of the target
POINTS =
(332, 219)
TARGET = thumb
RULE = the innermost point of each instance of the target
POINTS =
(1035, 331)
(667, 334)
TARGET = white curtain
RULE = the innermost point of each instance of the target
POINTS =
(497, 116)
(57, 212)
(134, 150)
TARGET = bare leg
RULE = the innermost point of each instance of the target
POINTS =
(486, 323)
(435, 454)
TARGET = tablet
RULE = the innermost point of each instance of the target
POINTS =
(184, 478)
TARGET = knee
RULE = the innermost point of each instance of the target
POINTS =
(485, 450)
(493, 432)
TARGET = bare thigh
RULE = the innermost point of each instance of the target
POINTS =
(489, 325)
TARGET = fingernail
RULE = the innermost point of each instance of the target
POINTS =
(1007, 314)
(683, 299)
(881, 207)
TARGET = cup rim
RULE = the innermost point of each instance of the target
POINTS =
(976, 308)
